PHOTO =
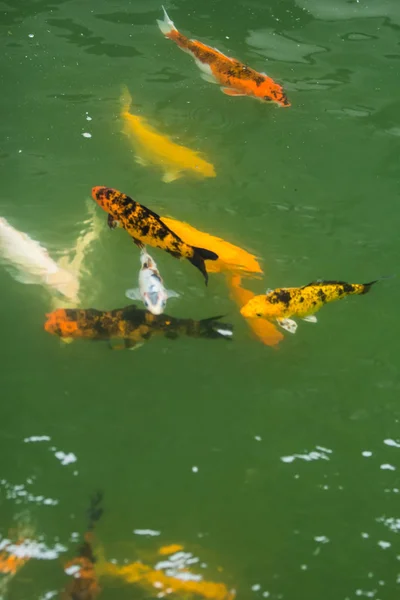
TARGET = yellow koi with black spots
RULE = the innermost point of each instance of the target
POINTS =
(146, 227)
(302, 302)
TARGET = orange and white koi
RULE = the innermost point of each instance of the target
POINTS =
(235, 78)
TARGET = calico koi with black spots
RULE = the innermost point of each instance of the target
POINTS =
(147, 228)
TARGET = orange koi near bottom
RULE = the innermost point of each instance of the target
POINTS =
(183, 581)
(84, 585)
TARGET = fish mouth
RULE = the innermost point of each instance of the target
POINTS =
(247, 312)
(98, 194)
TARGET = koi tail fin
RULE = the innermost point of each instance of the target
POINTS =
(211, 328)
(367, 286)
(166, 26)
(125, 100)
(198, 258)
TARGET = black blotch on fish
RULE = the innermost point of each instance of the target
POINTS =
(321, 294)
(162, 233)
(348, 288)
(283, 296)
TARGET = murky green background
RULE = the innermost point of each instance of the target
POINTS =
(284, 499)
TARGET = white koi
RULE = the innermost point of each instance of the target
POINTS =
(151, 288)
(29, 262)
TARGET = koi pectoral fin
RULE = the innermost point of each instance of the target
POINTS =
(138, 243)
(133, 294)
(170, 176)
(121, 344)
(141, 161)
(231, 92)
(208, 78)
(310, 319)
(111, 222)
(287, 324)
(172, 294)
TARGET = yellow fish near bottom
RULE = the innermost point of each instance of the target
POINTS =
(153, 148)
(302, 302)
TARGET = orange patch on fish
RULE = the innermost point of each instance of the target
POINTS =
(264, 330)
(171, 549)
(11, 563)
(151, 579)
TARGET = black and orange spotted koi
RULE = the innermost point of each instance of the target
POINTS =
(147, 228)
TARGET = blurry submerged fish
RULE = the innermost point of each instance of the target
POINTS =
(74, 260)
(301, 302)
(14, 555)
(265, 331)
(146, 227)
(235, 78)
(84, 585)
(29, 262)
(129, 326)
(153, 148)
(151, 288)
(172, 575)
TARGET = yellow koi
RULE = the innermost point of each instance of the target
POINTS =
(183, 583)
(230, 257)
(154, 148)
(302, 302)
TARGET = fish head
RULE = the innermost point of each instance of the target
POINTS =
(106, 197)
(208, 170)
(146, 261)
(155, 300)
(59, 323)
(273, 92)
(259, 306)
(54, 321)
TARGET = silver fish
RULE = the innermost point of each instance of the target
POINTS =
(151, 288)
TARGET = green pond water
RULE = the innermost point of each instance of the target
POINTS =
(278, 469)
